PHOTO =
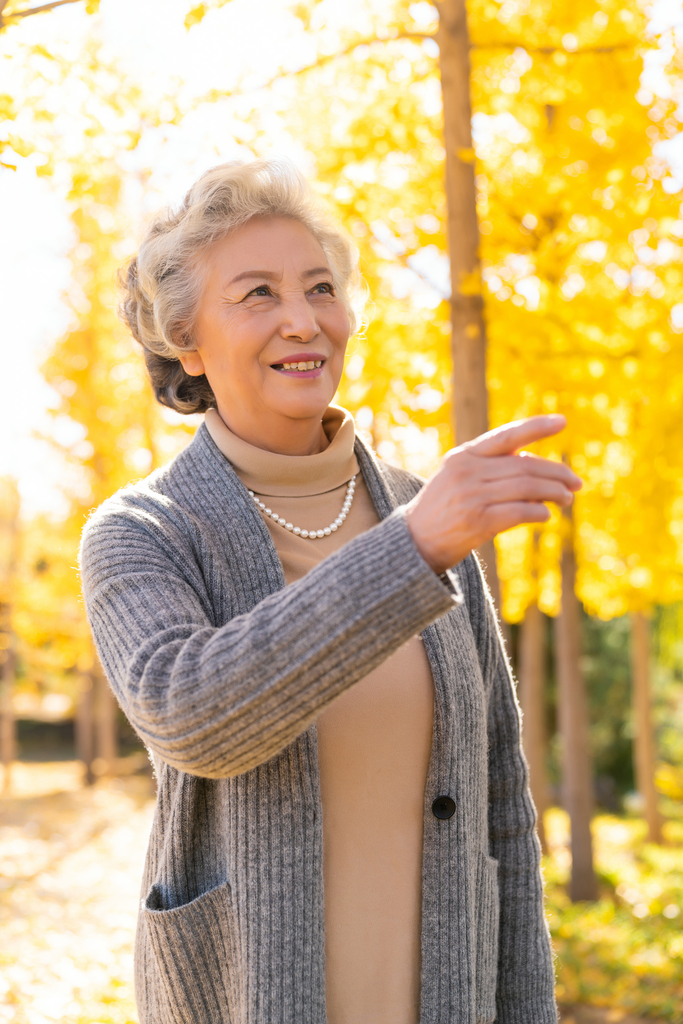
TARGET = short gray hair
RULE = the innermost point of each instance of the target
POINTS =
(162, 285)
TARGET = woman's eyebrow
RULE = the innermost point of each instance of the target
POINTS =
(317, 270)
(269, 276)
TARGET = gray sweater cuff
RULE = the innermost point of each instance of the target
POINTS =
(448, 579)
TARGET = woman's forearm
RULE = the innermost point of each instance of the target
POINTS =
(218, 701)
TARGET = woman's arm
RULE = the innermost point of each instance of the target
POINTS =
(218, 701)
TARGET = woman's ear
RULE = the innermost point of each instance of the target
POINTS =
(192, 363)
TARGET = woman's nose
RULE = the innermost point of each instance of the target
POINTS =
(299, 320)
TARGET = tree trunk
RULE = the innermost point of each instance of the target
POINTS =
(85, 731)
(8, 726)
(577, 777)
(468, 330)
(106, 726)
(532, 699)
(644, 740)
(9, 547)
(468, 339)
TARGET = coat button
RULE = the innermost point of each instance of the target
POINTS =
(443, 807)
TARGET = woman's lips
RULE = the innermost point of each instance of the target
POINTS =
(310, 367)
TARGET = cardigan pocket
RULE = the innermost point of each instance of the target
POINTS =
(488, 913)
(193, 958)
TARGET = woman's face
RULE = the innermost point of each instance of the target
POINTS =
(271, 333)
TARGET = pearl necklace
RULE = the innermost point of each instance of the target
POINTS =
(311, 534)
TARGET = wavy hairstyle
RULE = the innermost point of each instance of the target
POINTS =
(162, 285)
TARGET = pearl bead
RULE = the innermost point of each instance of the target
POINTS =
(327, 531)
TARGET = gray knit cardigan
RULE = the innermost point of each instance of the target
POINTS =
(222, 671)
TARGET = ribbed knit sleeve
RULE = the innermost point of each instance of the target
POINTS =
(218, 700)
(526, 982)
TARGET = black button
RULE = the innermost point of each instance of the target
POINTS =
(443, 807)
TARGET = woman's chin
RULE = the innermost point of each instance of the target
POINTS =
(310, 404)
(302, 410)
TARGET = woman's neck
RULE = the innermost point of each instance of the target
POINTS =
(284, 437)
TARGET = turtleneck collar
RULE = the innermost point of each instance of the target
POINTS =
(291, 475)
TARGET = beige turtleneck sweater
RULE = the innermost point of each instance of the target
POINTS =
(374, 745)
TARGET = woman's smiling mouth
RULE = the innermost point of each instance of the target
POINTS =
(300, 367)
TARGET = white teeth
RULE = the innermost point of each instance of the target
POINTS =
(310, 365)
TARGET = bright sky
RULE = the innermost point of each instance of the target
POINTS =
(147, 38)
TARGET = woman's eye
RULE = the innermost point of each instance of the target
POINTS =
(325, 288)
(262, 289)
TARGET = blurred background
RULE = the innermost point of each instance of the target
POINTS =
(512, 180)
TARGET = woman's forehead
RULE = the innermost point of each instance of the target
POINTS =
(267, 247)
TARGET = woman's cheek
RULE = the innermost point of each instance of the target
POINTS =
(343, 325)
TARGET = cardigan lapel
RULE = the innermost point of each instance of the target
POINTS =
(226, 502)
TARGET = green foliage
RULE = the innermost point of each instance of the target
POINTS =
(606, 667)
(607, 671)
(626, 949)
(668, 685)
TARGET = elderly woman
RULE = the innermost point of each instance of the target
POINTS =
(301, 636)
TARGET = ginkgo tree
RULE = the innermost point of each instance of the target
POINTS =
(579, 253)
(107, 430)
(592, 333)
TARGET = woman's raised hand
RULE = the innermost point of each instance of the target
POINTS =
(486, 486)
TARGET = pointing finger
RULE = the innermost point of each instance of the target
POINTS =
(509, 438)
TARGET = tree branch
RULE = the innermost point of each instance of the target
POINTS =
(319, 63)
(553, 49)
(367, 41)
(31, 10)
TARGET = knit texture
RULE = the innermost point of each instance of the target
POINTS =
(223, 671)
